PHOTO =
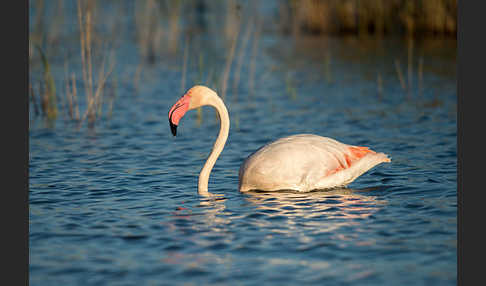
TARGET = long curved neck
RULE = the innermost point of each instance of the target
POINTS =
(216, 102)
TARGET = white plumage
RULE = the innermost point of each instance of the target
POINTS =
(305, 162)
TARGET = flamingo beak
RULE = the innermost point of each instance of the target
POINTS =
(177, 112)
(173, 128)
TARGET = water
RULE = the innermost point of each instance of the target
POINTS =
(118, 204)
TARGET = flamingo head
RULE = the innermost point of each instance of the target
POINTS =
(195, 97)
(177, 112)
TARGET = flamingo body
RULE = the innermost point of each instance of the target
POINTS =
(305, 162)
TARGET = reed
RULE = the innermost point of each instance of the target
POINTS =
(400, 74)
(379, 83)
(148, 30)
(74, 93)
(32, 99)
(408, 84)
(420, 75)
(49, 100)
(91, 112)
(241, 55)
(112, 97)
(214, 81)
(184, 64)
(37, 35)
(100, 89)
(91, 109)
(68, 91)
(43, 99)
(174, 9)
(254, 50)
(56, 24)
(84, 41)
(290, 88)
(200, 68)
(229, 61)
(200, 81)
(410, 67)
(93, 96)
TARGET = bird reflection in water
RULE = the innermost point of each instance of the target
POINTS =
(305, 217)
(340, 202)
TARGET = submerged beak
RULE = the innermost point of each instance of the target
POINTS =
(177, 112)
(173, 128)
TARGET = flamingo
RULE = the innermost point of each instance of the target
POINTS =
(302, 162)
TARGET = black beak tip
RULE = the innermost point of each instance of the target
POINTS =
(173, 128)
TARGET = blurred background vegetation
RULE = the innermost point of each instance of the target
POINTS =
(372, 17)
(79, 48)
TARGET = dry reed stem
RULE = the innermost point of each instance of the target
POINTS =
(98, 90)
(410, 67)
(90, 67)
(200, 81)
(254, 50)
(229, 61)
(56, 23)
(200, 65)
(147, 22)
(400, 74)
(44, 99)
(113, 96)
(48, 96)
(174, 26)
(184, 64)
(41, 98)
(39, 21)
(110, 109)
(136, 78)
(420, 75)
(112, 60)
(32, 97)
(99, 93)
(209, 77)
(70, 100)
(241, 53)
(93, 98)
(68, 90)
(156, 40)
(85, 34)
(74, 93)
(83, 48)
(380, 86)
(290, 87)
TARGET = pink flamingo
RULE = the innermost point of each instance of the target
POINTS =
(302, 162)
